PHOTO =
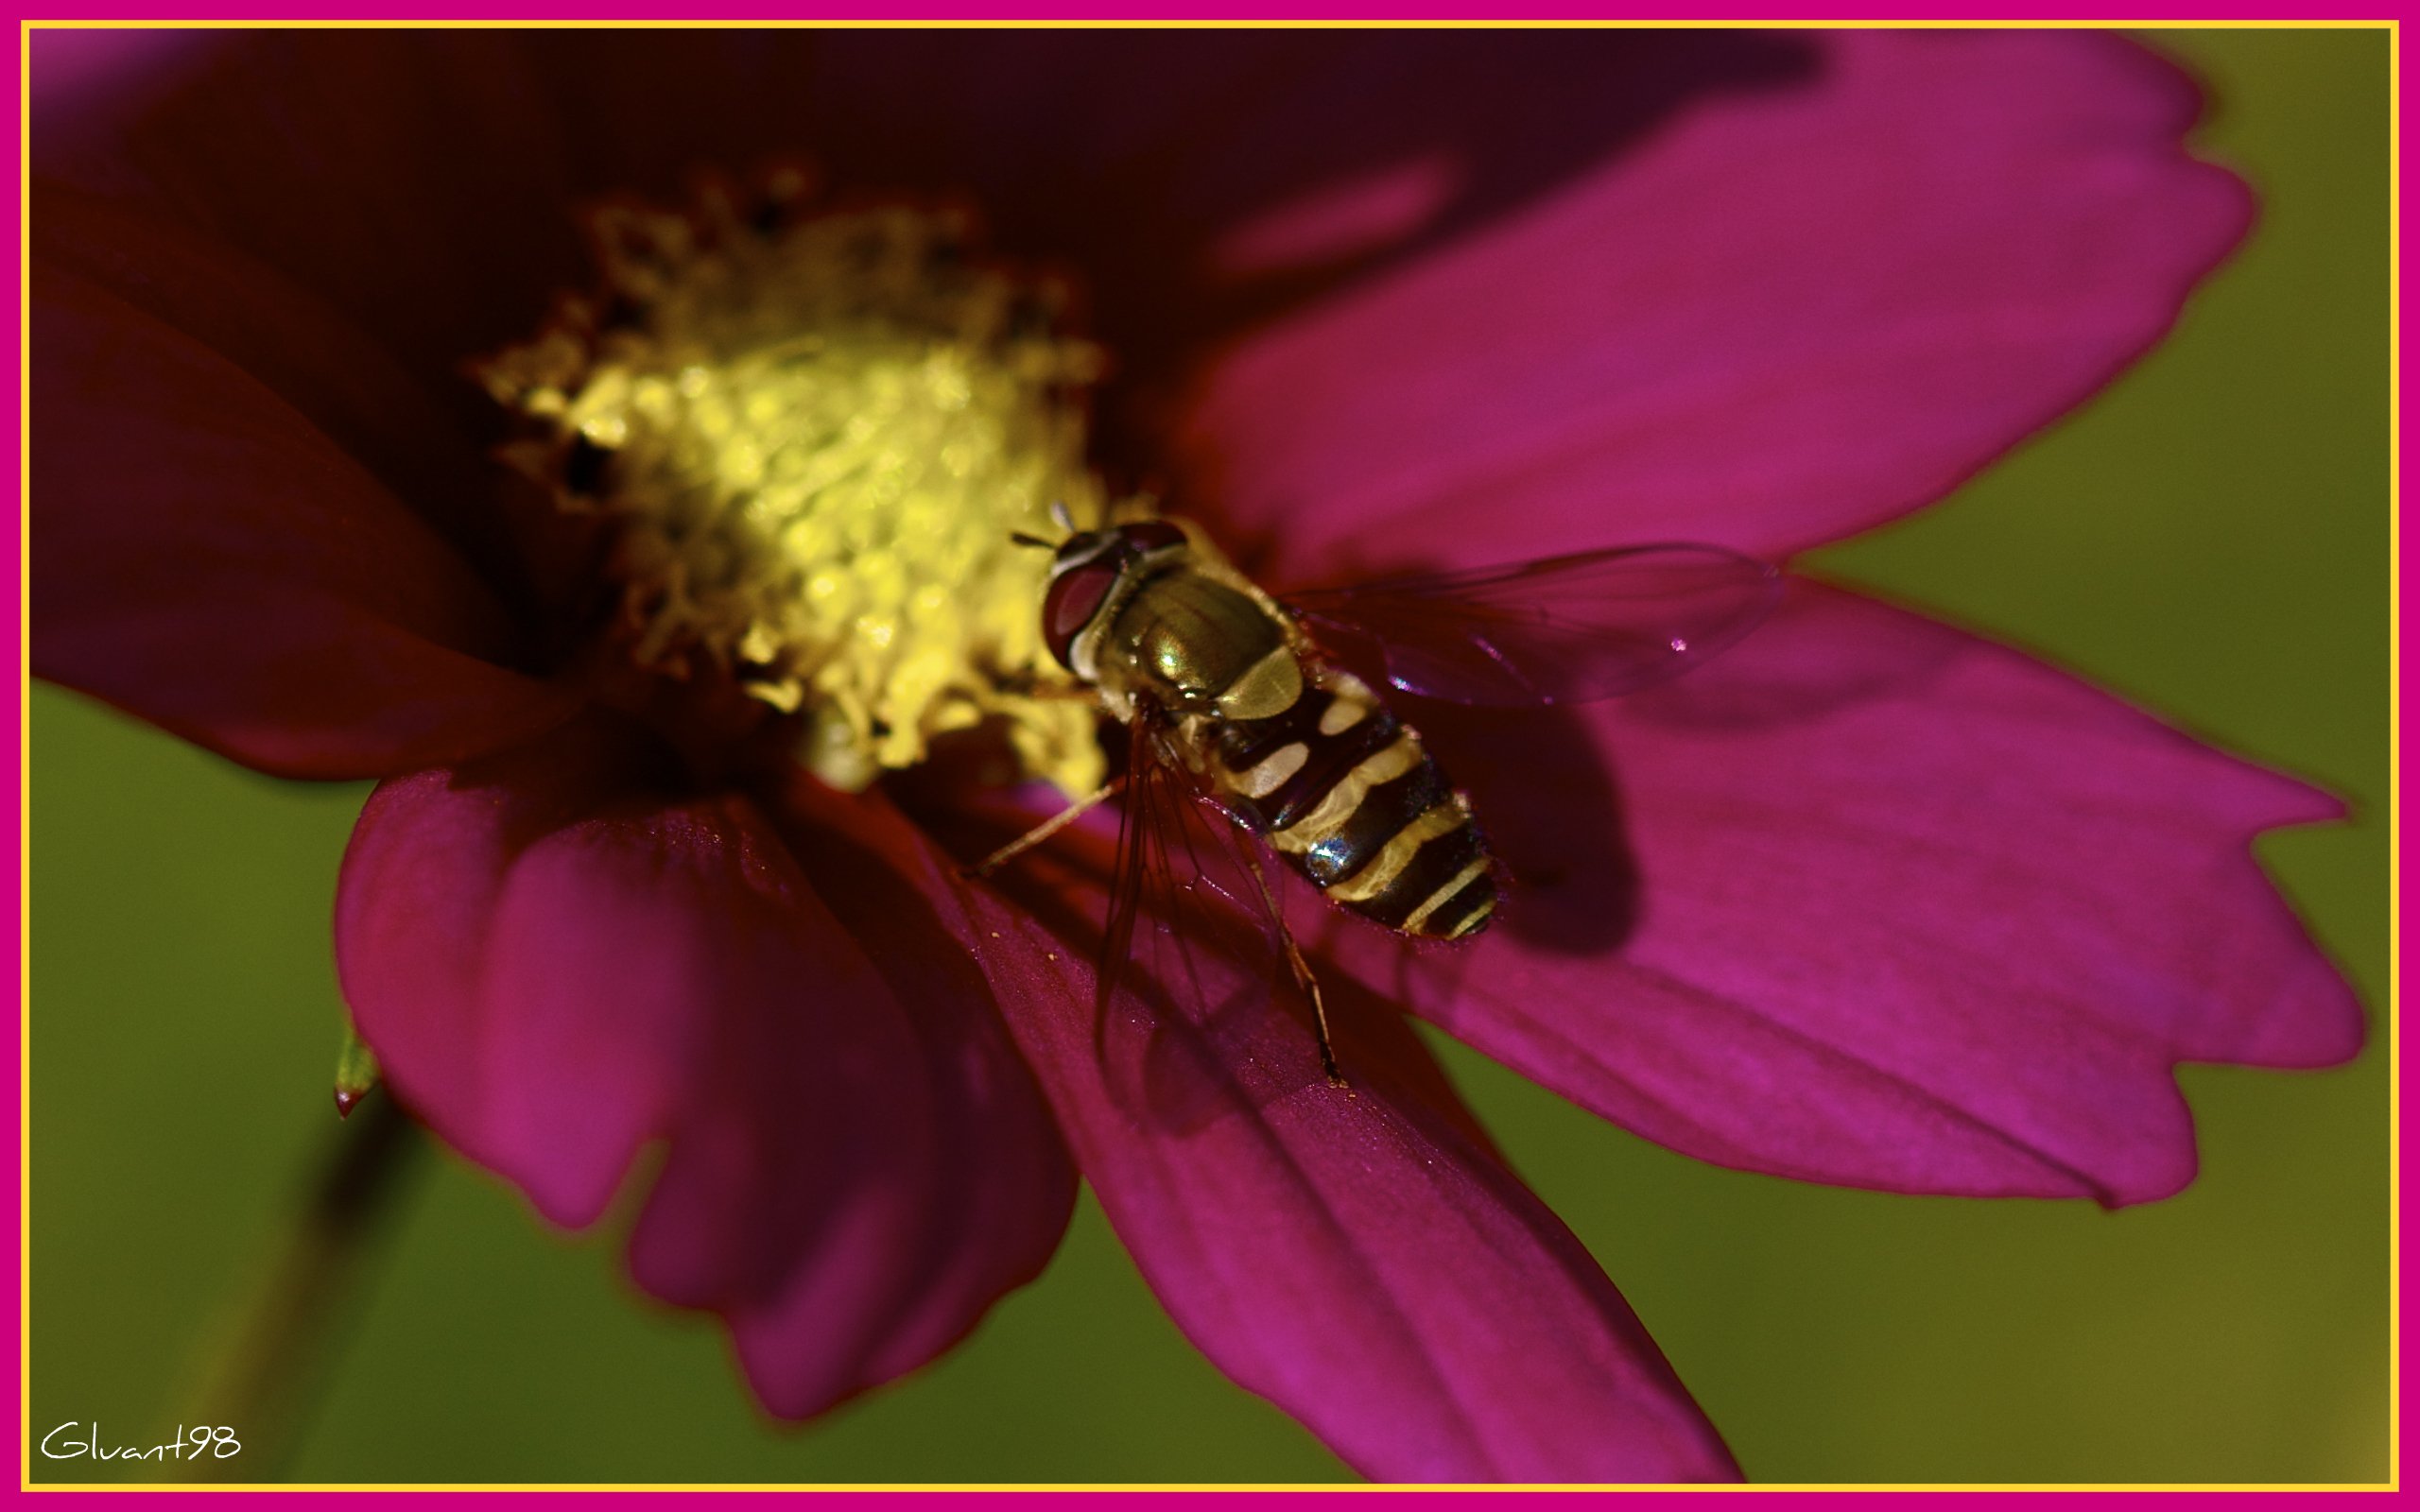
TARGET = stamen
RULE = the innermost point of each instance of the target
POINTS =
(820, 437)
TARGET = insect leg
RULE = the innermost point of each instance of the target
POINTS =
(1309, 984)
(1044, 830)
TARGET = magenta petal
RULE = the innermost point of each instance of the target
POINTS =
(412, 182)
(1359, 1259)
(1195, 183)
(326, 367)
(555, 971)
(207, 559)
(1899, 908)
(1787, 317)
(1203, 182)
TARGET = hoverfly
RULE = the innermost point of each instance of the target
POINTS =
(1238, 704)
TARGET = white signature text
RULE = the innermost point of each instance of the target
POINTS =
(65, 1442)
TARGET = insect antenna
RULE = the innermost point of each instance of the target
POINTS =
(1024, 539)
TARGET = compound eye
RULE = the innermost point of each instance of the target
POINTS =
(1153, 535)
(1076, 596)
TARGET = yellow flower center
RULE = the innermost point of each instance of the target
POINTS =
(814, 435)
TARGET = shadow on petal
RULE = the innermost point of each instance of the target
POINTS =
(1945, 923)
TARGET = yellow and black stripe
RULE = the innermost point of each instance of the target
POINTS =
(1348, 795)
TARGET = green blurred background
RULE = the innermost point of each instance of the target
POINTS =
(2209, 538)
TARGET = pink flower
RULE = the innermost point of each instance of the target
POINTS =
(1866, 901)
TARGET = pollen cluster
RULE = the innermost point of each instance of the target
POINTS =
(814, 434)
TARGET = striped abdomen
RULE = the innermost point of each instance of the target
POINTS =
(1347, 794)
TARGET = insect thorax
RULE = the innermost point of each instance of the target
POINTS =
(1199, 644)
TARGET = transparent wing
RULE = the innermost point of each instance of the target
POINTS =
(1194, 953)
(1563, 629)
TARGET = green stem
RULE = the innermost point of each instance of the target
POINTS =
(275, 1342)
